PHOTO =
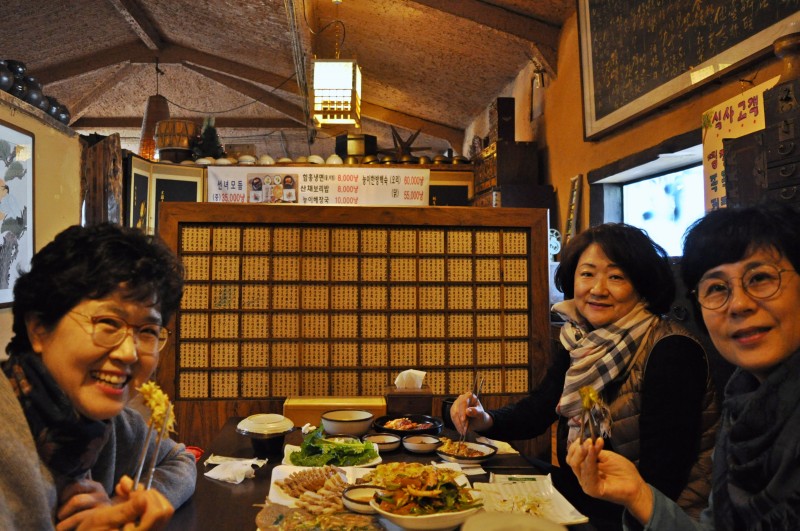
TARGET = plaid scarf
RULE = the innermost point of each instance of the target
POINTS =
(597, 356)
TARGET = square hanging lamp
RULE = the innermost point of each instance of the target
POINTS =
(337, 92)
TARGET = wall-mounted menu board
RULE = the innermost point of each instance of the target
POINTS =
(637, 55)
(336, 301)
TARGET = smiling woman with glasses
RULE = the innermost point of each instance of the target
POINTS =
(88, 327)
(744, 265)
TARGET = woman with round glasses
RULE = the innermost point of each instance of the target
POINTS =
(618, 285)
(744, 264)
(88, 327)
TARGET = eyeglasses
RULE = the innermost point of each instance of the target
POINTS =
(109, 332)
(760, 282)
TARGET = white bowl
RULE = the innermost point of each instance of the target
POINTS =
(247, 159)
(334, 159)
(204, 161)
(266, 160)
(316, 159)
(222, 162)
(357, 498)
(386, 442)
(421, 444)
(428, 522)
(354, 422)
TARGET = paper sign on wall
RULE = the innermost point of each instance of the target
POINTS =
(310, 185)
(733, 118)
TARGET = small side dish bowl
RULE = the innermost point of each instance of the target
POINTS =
(427, 522)
(386, 442)
(357, 498)
(421, 444)
(354, 422)
(482, 453)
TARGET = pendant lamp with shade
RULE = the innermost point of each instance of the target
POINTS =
(157, 109)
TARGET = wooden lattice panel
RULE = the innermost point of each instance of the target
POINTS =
(285, 301)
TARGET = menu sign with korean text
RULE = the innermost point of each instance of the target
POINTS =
(733, 118)
(319, 185)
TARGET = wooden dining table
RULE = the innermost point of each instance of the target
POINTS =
(218, 505)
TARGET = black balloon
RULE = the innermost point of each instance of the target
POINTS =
(18, 89)
(53, 109)
(33, 82)
(44, 103)
(33, 95)
(63, 115)
(17, 67)
(6, 78)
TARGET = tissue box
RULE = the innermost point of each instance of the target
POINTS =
(309, 409)
(400, 401)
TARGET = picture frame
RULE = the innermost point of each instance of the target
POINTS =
(173, 183)
(137, 192)
(624, 78)
(17, 174)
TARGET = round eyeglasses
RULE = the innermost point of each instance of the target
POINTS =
(760, 282)
(109, 331)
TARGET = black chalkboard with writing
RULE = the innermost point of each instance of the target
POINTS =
(638, 45)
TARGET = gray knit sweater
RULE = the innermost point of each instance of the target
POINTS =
(27, 488)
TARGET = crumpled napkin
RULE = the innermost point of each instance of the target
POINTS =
(410, 379)
(235, 470)
(502, 446)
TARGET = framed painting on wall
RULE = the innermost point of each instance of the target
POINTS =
(173, 184)
(16, 206)
(137, 192)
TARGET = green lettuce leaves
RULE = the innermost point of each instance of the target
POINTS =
(316, 450)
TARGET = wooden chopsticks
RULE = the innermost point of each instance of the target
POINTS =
(151, 466)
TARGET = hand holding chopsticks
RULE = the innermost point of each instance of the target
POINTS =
(476, 391)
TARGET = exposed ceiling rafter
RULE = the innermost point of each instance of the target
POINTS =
(542, 36)
(79, 108)
(139, 22)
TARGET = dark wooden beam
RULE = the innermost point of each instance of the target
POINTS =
(135, 122)
(451, 134)
(79, 107)
(542, 35)
(262, 96)
(132, 52)
(139, 22)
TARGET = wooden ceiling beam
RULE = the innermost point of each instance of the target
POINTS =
(79, 107)
(139, 22)
(451, 134)
(134, 122)
(543, 36)
(134, 53)
(253, 91)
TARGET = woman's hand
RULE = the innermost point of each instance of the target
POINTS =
(80, 496)
(611, 477)
(468, 407)
(132, 510)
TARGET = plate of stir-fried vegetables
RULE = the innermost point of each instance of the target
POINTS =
(416, 496)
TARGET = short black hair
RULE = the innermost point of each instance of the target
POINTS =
(644, 262)
(730, 234)
(92, 263)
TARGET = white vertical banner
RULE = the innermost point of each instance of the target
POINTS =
(319, 185)
(733, 118)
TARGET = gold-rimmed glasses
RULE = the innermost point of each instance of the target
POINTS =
(109, 331)
(759, 281)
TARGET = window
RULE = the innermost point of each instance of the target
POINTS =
(665, 206)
